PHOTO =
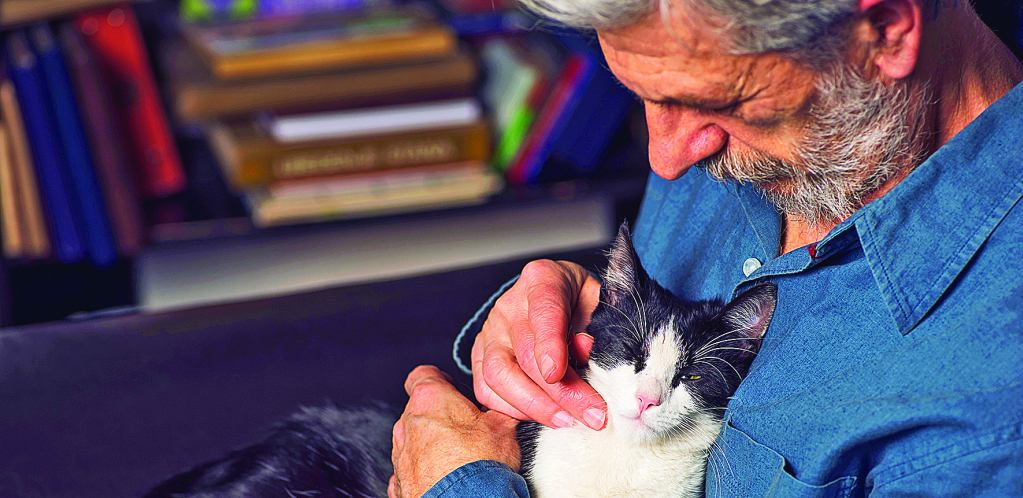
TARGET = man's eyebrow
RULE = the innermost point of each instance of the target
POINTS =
(696, 102)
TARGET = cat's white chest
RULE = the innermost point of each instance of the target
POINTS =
(581, 463)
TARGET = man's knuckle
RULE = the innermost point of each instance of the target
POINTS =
(497, 368)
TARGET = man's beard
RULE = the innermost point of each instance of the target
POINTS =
(861, 134)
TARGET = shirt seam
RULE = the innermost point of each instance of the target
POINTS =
(462, 473)
(1004, 435)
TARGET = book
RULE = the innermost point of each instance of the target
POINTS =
(518, 80)
(376, 193)
(46, 148)
(11, 230)
(583, 110)
(374, 120)
(198, 96)
(113, 170)
(251, 157)
(603, 106)
(13, 12)
(37, 239)
(305, 44)
(277, 8)
(211, 10)
(87, 201)
(113, 38)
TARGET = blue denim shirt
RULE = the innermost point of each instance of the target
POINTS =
(893, 365)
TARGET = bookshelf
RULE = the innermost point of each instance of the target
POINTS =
(203, 248)
(15, 12)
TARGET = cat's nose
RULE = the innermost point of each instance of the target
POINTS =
(646, 402)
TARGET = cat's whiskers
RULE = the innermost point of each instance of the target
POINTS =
(717, 340)
(708, 363)
(636, 332)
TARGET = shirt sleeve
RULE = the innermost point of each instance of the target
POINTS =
(462, 350)
(481, 478)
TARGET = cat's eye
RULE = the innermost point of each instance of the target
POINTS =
(691, 377)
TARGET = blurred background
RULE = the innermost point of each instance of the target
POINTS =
(162, 155)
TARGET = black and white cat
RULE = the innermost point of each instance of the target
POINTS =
(666, 368)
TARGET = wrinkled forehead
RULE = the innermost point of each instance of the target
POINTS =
(650, 58)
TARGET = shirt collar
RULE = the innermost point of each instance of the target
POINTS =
(920, 236)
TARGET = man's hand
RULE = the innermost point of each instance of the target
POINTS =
(440, 431)
(520, 358)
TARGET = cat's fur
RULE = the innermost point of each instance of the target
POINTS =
(666, 368)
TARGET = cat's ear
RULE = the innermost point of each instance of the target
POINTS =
(750, 314)
(624, 273)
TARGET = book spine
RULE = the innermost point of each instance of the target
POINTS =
(113, 37)
(428, 42)
(458, 187)
(46, 148)
(12, 230)
(37, 239)
(107, 143)
(78, 164)
(323, 159)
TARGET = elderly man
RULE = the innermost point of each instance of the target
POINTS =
(871, 157)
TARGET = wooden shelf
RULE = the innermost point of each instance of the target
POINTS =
(15, 12)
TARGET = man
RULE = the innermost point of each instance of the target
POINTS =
(872, 155)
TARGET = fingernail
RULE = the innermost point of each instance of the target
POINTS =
(546, 366)
(563, 419)
(594, 418)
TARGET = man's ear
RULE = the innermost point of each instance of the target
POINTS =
(896, 29)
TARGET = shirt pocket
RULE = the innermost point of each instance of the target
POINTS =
(742, 467)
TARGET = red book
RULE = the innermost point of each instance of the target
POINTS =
(108, 148)
(113, 37)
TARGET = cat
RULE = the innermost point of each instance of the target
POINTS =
(666, 368)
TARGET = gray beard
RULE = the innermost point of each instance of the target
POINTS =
(861, 134)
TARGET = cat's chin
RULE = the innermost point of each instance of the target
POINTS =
(637, 431)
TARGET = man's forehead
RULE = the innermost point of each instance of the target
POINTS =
(653, 37)
(647, 57)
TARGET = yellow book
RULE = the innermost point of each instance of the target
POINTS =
(10, 223)
(37, 239)
(269, 47)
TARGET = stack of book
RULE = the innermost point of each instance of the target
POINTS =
(337, 115)
(83, 137)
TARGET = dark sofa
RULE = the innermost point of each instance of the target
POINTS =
(109, 407)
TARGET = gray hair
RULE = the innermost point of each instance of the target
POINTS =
(812, 31)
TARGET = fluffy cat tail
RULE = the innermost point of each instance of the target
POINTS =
(321, 451)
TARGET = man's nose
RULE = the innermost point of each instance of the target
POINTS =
(679, 138)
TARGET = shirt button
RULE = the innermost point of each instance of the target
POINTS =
(750, 265)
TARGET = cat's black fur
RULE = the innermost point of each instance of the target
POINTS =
(329, 452)
(321, 452)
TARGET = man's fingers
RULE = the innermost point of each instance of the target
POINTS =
(550, 295)
(392, 488)
(579, 347)
(556, 405)
(487, 397)
(425, 374)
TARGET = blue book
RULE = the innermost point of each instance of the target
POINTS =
(78, 162)
(602, 107)
(47, 150)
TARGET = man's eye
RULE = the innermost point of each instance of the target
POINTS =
(726, 110)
